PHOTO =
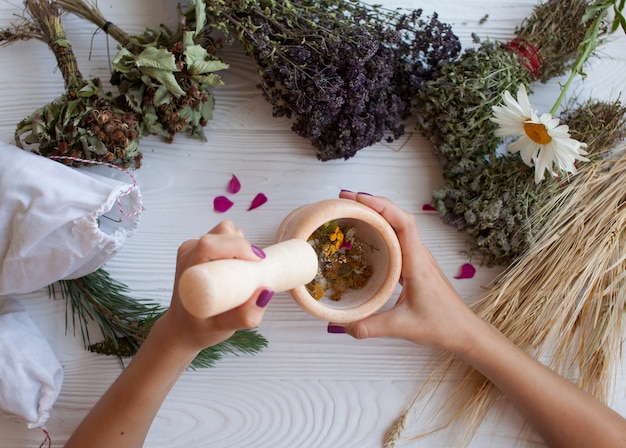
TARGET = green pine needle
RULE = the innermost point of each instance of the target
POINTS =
(125, 322)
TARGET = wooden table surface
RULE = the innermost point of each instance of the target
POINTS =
(308, 388)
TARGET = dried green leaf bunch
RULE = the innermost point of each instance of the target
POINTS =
(491, 196)
(343, 70)
(82, 123)
(499, 206)
(166, 77)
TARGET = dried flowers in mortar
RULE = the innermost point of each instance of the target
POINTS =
(166, 77)
(82, 123)
(342, 265)
(344, 71)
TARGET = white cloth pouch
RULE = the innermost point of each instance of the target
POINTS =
(58, 222)
(30, 374)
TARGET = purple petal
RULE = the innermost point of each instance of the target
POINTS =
(466, 271)
(234, 185)
(428, 208)
(222, 204)
(258, 201)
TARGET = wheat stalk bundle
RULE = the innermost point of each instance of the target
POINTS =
(564, 301)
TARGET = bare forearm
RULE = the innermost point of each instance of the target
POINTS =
(563, 414)
(124, 414)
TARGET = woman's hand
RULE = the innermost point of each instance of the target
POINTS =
(123, 415)
(192, 333)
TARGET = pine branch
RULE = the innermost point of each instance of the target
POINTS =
(125, 322)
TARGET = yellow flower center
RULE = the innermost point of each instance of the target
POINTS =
(537, 132)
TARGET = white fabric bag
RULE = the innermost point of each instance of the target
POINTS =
(30, 374)
(58, 222)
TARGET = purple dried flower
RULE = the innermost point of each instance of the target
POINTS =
(349, 84)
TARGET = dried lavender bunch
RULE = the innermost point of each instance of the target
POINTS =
(497, 207)
(82, 123)
(454, 108)
(166, 77)
(342, 70)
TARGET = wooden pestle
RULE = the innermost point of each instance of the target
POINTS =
(211, 288)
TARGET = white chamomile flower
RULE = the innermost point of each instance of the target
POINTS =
(543, 143)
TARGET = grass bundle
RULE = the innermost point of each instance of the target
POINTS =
(563, 301)
(454, 108)
(497, 207)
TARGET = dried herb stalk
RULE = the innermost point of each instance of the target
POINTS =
(82, 123)
(563, 301)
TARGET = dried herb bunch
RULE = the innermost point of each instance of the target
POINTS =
(454, 108)
(498, 206)
(166, 77)
(82, 123)
(125, 322)
(490, 196)
(344, 71)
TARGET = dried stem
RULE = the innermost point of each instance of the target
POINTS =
(47, 22)
(91, 12)
(25, 30)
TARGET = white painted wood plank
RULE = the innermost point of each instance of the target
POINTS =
(308, 389)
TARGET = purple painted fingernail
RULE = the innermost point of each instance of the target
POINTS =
(258, 251)
(362, 192)
(336, 329)
(343, 190)
(264, 298)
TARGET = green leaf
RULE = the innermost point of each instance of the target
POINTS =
(211, 80)
(199, 61)
(162, 96)
(134, 97)
(200, 16)
(158, 58)
(166, 78)
(89, 90)
(206, 109)
(72, 110)
(124, 61)
(188, 39)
